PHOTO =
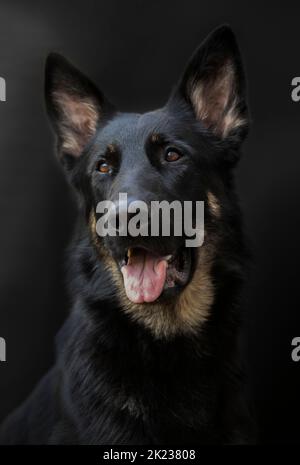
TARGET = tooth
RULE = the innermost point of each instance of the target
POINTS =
(168, 257)
(129, 253)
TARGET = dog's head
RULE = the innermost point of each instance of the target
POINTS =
(182, 152)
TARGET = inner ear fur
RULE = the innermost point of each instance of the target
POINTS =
(75, 105)
(214, 84)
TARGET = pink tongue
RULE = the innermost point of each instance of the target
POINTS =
(144, 277)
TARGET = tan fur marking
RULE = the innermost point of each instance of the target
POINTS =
(155, 138)
(111, 148)
(197, 298)
(214, 205)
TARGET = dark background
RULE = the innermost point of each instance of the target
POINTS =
(136, 50)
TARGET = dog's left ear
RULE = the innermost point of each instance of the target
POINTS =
(214, 85)
(75, 105)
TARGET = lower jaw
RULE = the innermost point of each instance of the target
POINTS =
(178, 276)
(169, 294)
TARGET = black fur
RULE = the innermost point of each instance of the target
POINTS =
(115, 382)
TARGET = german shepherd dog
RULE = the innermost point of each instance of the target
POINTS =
(149, 353)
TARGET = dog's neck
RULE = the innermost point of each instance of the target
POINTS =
(144, 378)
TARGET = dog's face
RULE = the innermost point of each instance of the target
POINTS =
(184, 151)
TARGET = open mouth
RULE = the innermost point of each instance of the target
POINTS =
(147, 275)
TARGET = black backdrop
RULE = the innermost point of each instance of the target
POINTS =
(136, 50)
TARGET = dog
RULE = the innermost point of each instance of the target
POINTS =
(150, 351)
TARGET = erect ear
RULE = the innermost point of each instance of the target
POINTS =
(75, 106)
(214, 84)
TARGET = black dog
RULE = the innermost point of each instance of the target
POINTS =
(141, 363)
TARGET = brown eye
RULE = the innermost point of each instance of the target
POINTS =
(104, 167)
(172, 155)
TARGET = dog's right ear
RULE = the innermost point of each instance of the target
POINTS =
(75, 106)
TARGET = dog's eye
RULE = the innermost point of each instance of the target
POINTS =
(104, 167)
(172, 155)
